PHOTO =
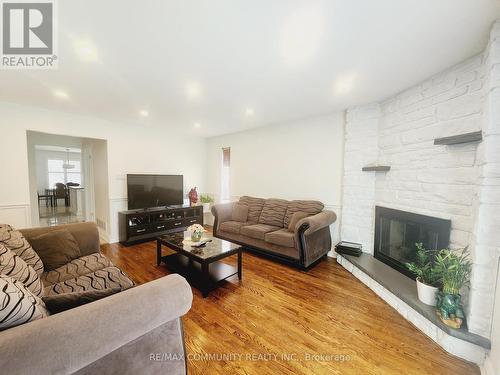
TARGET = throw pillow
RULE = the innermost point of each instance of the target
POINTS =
(13, 266)
(17, 304)
(240, 213)
(296, 217)
(62, 302)
(56, 248)
(15, 241)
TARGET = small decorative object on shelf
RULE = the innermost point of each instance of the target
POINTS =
(427, 275)
(193, 196)
(197, 231)
(454, 269)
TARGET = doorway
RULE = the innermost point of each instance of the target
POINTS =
(67, 176)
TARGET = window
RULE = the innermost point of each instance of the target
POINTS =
(56, 171)
(226, 159)
(74, 174)
(58, 174)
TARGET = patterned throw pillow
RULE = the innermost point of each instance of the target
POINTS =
(17, 304)
(15, 241)
(13, 266)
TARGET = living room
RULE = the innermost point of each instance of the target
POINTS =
(274, 187)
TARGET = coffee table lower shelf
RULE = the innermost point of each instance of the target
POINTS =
(193, 272)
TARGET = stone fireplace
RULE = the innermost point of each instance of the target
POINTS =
(397, 232)
(395, 157)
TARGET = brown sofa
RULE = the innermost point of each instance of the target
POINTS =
(130, 332)
(263, 226)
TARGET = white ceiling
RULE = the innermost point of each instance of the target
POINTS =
(208, 61)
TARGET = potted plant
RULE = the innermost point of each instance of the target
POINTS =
(197, 231)
(427, 277)
(454, 269)
(206, 200)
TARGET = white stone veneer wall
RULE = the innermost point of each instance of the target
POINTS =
(358, 188)
(459, 182)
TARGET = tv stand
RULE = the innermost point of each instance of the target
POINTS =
(145, 225)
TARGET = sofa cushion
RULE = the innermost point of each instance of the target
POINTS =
(110, 277)
(15, 267)
(77, 267)
(61, 302)
(273, 212)
(254, 207)
(17, 304)
(240, 213)
(257, 231)
(15, 241)
(296, 217)
(262, 245)
(282, 237)
(56, 248)
(231, 226)
(310, 207)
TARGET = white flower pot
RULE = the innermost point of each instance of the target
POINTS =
(206, 207)
(426, 293)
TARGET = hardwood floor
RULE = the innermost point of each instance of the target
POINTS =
(280, 311)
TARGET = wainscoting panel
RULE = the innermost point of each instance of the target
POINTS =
(17, 215)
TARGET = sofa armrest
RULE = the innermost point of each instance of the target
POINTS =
(66, 342)
(313, 223)
(313, 236)
(86, 235)
(222, 212)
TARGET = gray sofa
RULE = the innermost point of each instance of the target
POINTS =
(269, 227)
(138, 330)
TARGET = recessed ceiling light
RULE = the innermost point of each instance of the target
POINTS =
(86, 50)
(193, 90)
(144, 113)
(249, 112)
(60, 94)
(197, 125)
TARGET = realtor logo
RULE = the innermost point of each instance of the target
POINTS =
(28, 35)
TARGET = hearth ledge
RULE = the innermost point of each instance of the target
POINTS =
(400, 293)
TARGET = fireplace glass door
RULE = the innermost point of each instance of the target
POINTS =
(397, 232)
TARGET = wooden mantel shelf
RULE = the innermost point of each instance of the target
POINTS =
(376, 168)
(459, 139)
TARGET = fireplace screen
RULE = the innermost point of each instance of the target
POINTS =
(397, 232)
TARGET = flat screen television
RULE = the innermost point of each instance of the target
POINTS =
(148, 190)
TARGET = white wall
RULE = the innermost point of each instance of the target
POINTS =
(132, 148)
(101, 183)
(297, 160)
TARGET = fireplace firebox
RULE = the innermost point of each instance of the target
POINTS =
(397, 232)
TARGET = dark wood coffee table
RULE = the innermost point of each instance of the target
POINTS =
(201, 267)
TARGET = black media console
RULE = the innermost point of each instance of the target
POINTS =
(145, 225)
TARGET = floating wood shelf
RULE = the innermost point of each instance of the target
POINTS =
(376, 168)
(459, 139)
